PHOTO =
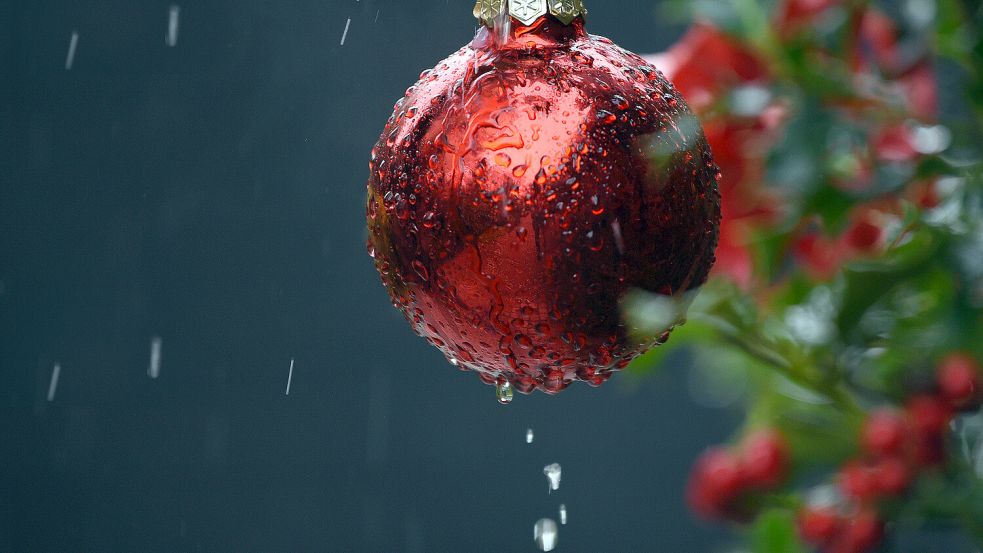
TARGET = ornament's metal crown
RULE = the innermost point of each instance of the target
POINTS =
(528, 11)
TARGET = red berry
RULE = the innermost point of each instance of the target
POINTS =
(818, 526)
(926, 195)
(864, 234)
(715, 484)
(928, 450)
(883, 433)
(895, 143)
(764, 459)
(929, 415)
(858, 481)
(818, 255)
(958, 378)
(891, 476)
(863, 533)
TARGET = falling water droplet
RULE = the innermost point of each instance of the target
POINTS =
(553, 473)
(53, 385)
(344, 35)
(173, 22)
(73, 43)
(529, 436)
(290, 376)
(153, 370)
(563, 513)
(545, 534)
(504, 392)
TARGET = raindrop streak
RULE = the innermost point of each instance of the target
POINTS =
(172, 25)
(553, 473)
(504, 392)
(154, 369)
(290, 376)
(72, 45)
(529, 436)
(563, 513)
(345, 34)
(545, 534)
(53, 386)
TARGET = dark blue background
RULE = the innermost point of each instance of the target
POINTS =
(213, 194)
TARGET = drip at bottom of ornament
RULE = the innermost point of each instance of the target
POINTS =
(649, 320)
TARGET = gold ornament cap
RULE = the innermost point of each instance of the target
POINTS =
(528, 11)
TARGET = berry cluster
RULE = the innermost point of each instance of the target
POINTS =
(895, 447)
(821, 256)
(724, 480)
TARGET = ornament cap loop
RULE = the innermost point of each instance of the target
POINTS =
(528, 11)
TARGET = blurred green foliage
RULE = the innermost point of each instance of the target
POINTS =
(831, 325)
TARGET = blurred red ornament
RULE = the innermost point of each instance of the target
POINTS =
(523, 186)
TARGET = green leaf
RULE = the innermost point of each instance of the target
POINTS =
(867, 282)
(774, 532)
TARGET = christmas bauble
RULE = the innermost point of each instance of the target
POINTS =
(528, 182)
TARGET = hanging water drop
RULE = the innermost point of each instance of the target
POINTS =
(563, 513)
(529, 436)
(545, 534)
(504, 392)
(553, 473)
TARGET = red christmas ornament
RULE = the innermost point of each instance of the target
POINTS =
(528, 182)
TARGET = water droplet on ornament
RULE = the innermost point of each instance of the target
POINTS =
(529, 436)
(545, 534)
(504, 392)
(563, 513)
(553, 473)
